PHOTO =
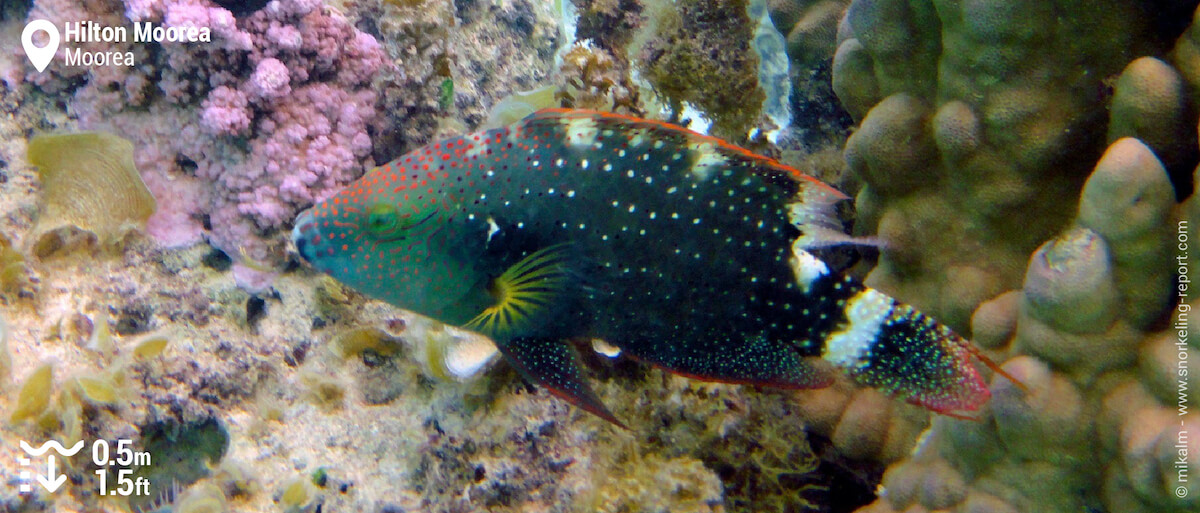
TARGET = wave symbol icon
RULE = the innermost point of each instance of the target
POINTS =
(52, 444)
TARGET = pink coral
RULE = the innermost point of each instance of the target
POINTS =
(142, 10)
(291, 81)
(187, 14)
(365, 56)
(286, 37)
(174, 223)
(225, 112)
(292, 7)
(270, 79)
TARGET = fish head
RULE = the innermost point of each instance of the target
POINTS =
(390, 242)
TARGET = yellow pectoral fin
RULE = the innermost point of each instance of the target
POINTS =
(523, 292)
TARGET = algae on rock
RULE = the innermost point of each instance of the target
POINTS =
(89, 181)
(12, 267)
(701, 55)
(5, 357)
(35, 394)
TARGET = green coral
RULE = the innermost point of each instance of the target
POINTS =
(985, 132)
(974, 138)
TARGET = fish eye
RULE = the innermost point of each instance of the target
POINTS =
(382, 218)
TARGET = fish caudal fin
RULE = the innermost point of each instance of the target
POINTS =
(890, 346)
(995, 367)
(551, 363)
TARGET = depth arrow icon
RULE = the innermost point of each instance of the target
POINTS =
(49, 481)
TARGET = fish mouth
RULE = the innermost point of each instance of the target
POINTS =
(302, 235)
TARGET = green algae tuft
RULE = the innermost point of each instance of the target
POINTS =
(35, 394)
(514, 107)
(5, 357)
(150, 346)
(204, 498)
(100, 390)
(296, 494)
(184, 453)
(324, 391)
(12, 267)
(355, 341)
(448, 354)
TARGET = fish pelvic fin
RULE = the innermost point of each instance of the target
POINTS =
(552, 364)
(523, 292)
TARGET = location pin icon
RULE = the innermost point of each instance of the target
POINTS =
(40, 57)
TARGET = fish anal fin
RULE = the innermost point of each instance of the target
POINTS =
(754, 361)
(552, 364)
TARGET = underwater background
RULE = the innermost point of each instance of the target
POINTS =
(1028, 167)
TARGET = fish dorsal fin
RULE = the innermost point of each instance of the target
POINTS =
(719, 152)
(523, 292)
(814, 213)
(814, 207)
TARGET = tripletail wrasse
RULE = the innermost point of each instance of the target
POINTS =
(679, 249)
